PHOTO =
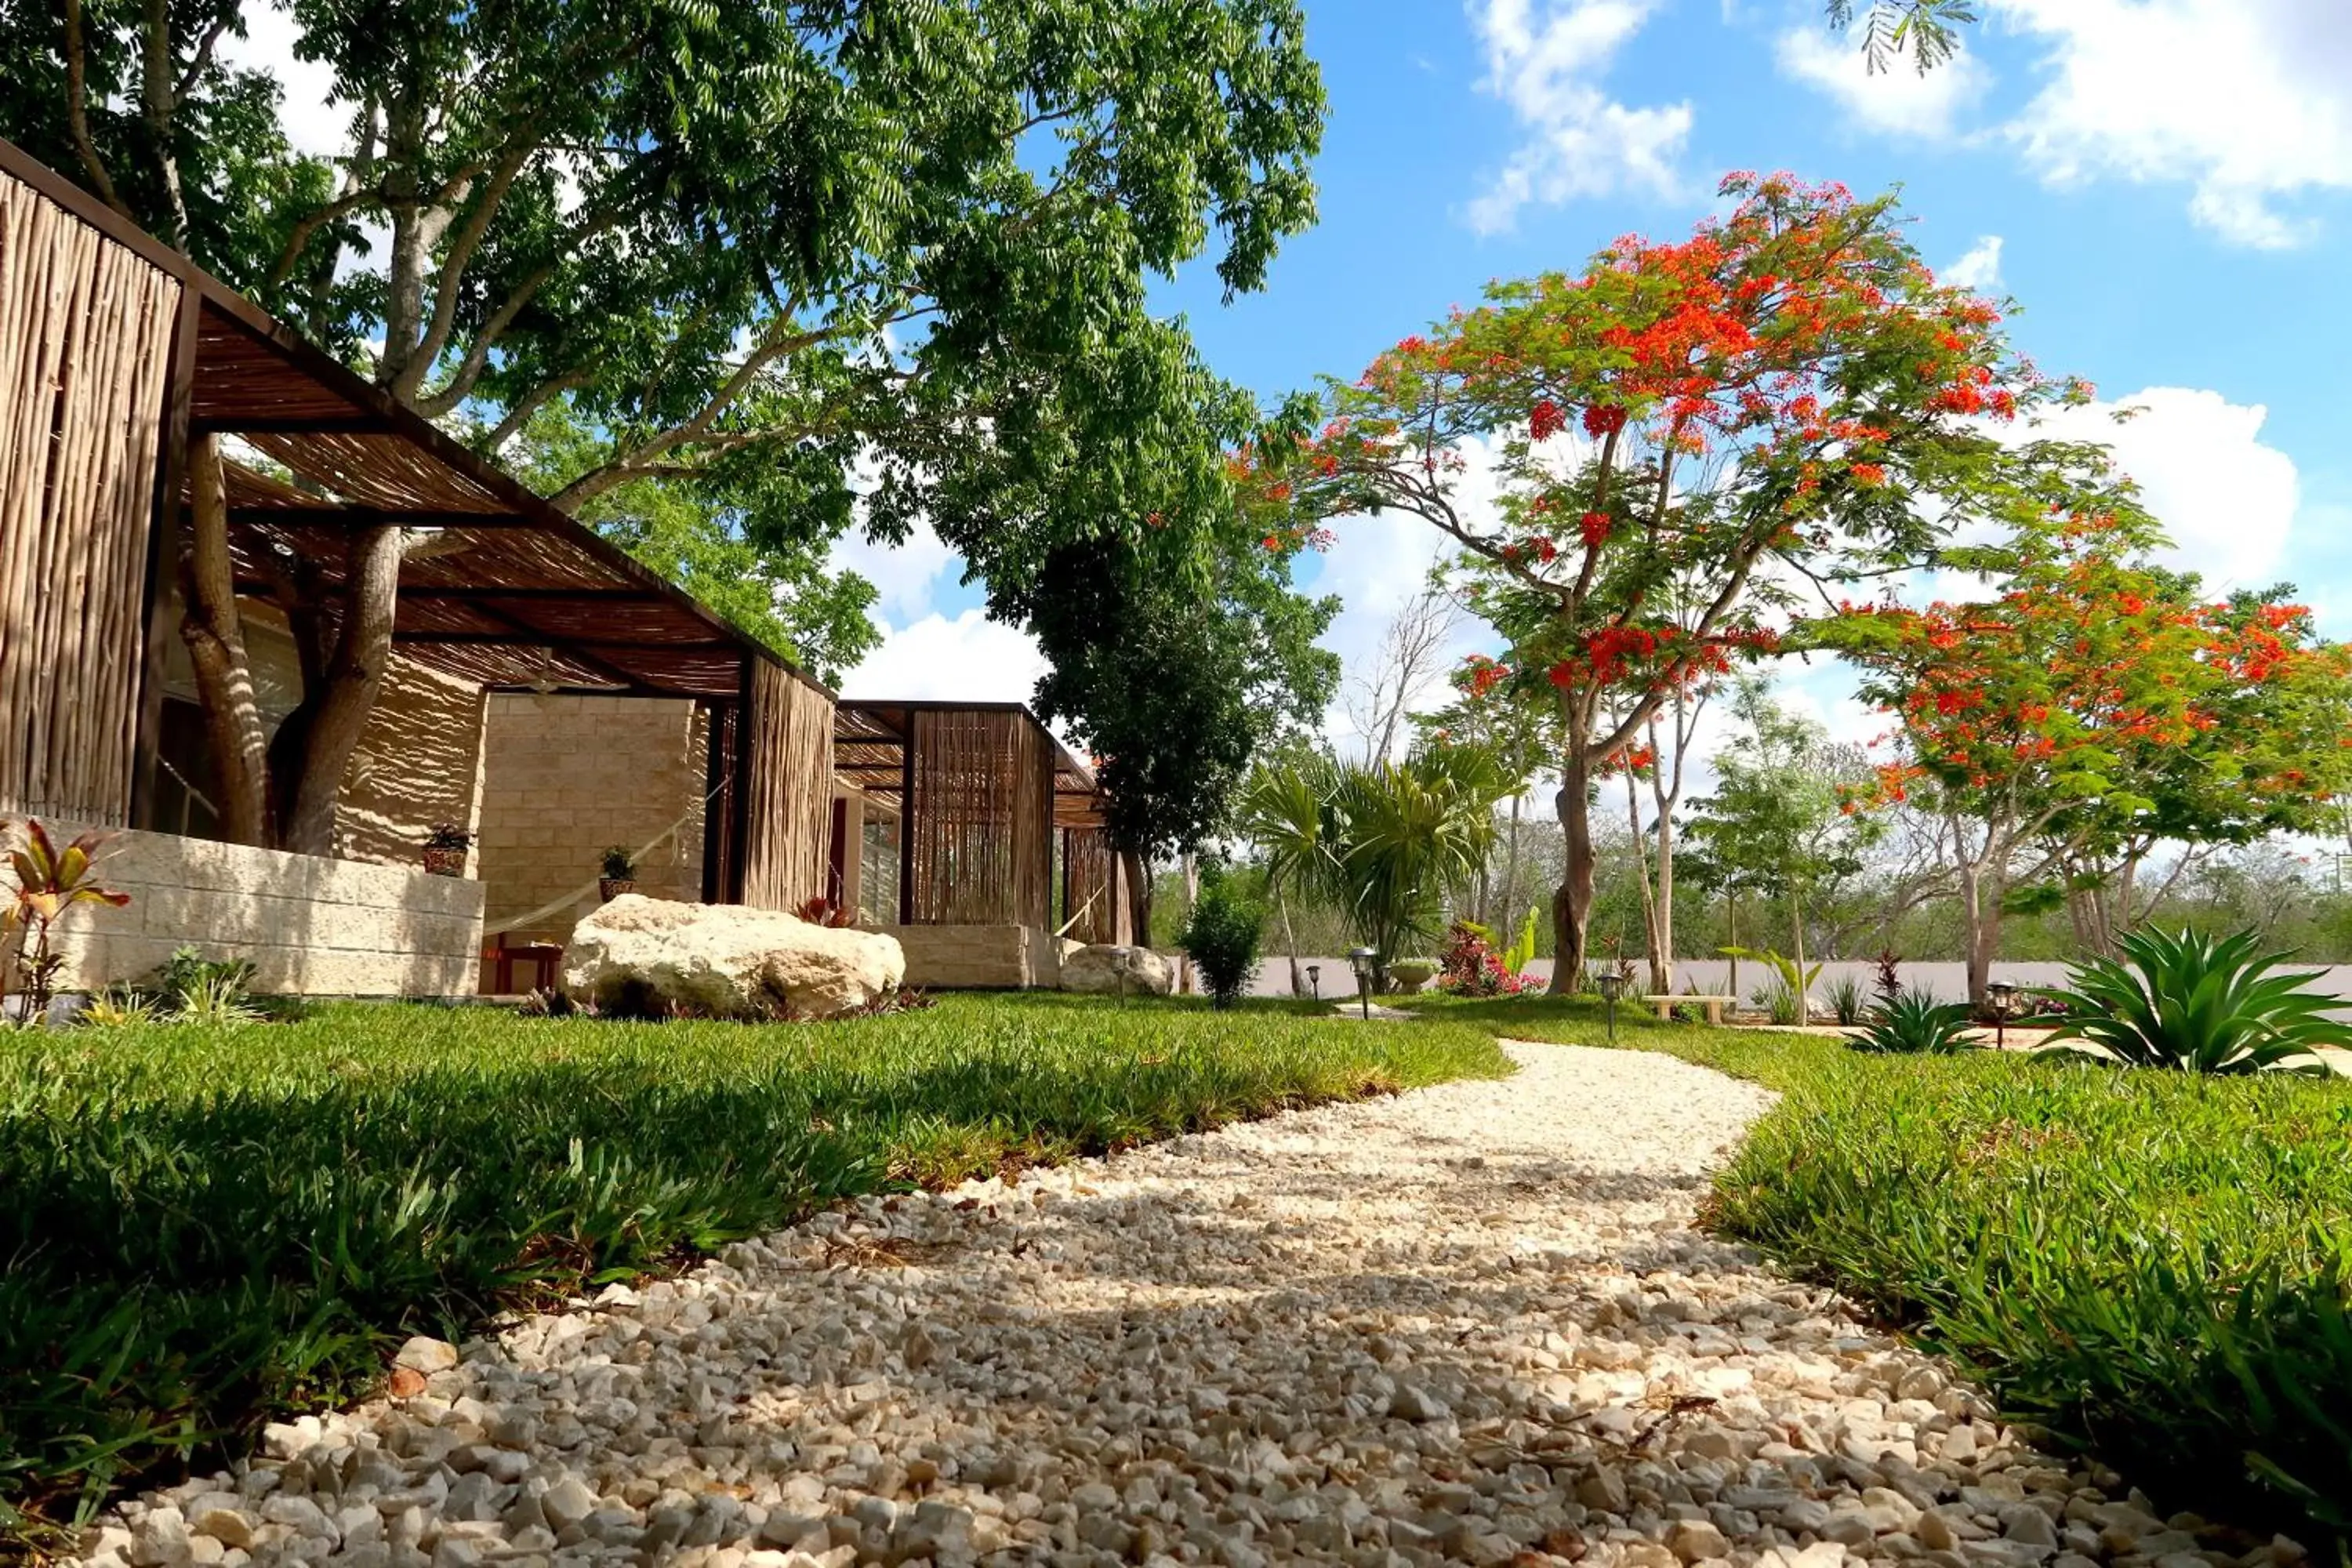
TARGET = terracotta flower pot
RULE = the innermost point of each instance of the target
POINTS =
(611, 888)
(445, 862)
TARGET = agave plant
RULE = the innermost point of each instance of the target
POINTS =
(2197, 1004)
(1914, 1024)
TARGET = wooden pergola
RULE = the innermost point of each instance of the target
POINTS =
(150, 351)
(980, 790)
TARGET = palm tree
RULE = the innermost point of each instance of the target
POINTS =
(1408, 830)
(1378, 841)
(1284, 812)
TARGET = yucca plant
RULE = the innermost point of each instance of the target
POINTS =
(1914, 1024)
(1845, 1000)
(2196, 1004)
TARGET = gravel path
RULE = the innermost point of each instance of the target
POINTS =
(1471, 1323)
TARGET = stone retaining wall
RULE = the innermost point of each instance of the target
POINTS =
(978, 957)
(311, 926)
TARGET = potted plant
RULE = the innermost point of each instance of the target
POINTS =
(445, 851)
(620, 873)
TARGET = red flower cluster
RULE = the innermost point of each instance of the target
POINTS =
(1595, 526)
(1545, 420)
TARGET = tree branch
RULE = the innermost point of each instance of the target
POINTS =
(77, 111)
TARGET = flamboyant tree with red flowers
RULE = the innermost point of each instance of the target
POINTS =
(2092, 706)
(1685, 435)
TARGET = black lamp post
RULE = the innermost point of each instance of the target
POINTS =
(2003, 996)
(1361, 957)
(1611, 984)
(1315, 980)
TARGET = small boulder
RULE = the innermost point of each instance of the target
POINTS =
(427, 1355)
(645, 956)
(1107, 969)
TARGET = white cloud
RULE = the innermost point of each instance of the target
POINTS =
(2248, 101)
(1545, 59)
(905, 577)
(314, 123)
(1979, 269)
(2227, 501)
(968, 659)
(1898, 102)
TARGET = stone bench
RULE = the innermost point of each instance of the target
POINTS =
(1714, 1006)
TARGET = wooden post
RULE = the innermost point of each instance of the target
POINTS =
(714, 801)
(163, 557)
(739, 795)
(907, 823)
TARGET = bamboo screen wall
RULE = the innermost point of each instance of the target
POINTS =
(1093, 890)
(788, 820)
(86, 330)
(980, 819)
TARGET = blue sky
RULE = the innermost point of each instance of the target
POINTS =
(2165, 186)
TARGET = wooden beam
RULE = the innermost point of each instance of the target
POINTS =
(634, 688)
(163, 559)
(467, 596)
(528, 636)
(579, 656)
(377, 517)
(358, 422)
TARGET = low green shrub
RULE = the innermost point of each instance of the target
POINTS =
(2155, 1266)
(1848, 1005)
(206, 1226)
(1221, 937)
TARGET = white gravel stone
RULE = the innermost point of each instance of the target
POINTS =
(1470, 1324)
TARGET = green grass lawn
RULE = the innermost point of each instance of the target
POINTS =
(204, 1227)
(2152, 1263)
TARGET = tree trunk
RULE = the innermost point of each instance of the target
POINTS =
(1642, 880)
(1510, 902)
(1797, 933)
(1731, 939)
(1138, 898)
(354, 678)
(1289, 942)
(214, 633)
(1663, 972)
(1572, 902)
(1980, 920)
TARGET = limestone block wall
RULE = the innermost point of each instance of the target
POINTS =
(562, 777)
(418, 765)
(978, 957)
(311, 926)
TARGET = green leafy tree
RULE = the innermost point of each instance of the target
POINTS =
(783, 593)
(1927, 30)
(820, 259)
(1780, 821)
(1175, 679)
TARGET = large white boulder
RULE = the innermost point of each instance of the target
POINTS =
(641, 955)
(1108, 969)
